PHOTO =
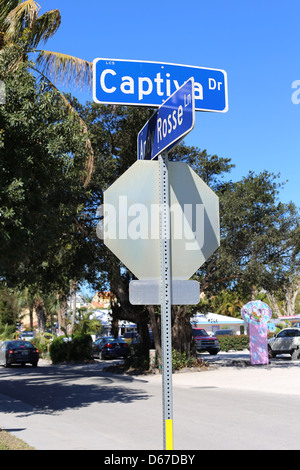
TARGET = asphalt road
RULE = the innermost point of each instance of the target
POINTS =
(83, 407)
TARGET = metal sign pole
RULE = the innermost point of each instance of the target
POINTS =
(166, 337)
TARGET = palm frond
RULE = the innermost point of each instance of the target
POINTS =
(44, 27)
(6, 6)
(21, 17)
(63, 68)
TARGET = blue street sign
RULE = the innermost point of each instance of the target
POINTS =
(142, 83)
(169, 124)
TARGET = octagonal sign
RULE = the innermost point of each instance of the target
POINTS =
(131, 220)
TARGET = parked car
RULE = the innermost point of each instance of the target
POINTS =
(204, 342)
(224, 332)
(27, 335)
(287, 341)
(137, 340)
(109, 347)
(18, 352)
(129, 336)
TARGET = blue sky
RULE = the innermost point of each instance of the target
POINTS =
(255, 42)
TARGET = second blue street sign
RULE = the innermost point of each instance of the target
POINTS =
(169, 124)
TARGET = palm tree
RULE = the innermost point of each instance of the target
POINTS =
(21, 27)
(230, 305)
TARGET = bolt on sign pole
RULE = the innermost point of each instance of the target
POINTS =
(166, 337)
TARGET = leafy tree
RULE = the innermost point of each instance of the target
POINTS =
(84, 324)
(113, 132)
(228, 303)
(42, 149)
(22, 30)
(258, 233)
(44, 305)
(9, 311)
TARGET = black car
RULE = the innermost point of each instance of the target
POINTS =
(110, 347)
(18, 352)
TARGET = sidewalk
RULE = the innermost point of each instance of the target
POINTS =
(233, 371)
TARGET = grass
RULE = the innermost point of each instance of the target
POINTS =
(10, 442)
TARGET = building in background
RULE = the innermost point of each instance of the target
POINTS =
(213, 322)
(102, 300)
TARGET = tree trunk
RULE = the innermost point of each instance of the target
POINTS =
(31, 317)
(143, 331)
(123, 310)
(62, 311)
(290, 298)
(273, 304)
(73, 290)
(155, 325)
(182, 334)
(41, 314)
(291, 293)
(114, 325)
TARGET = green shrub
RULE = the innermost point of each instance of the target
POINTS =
(235, 343)
(139, 359)
(81, 347)
(180, 360)
(75, 348)
(59, 350)
(42, 342)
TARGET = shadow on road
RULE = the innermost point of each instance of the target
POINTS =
(53, 389)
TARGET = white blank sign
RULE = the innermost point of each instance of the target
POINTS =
(147, 292)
